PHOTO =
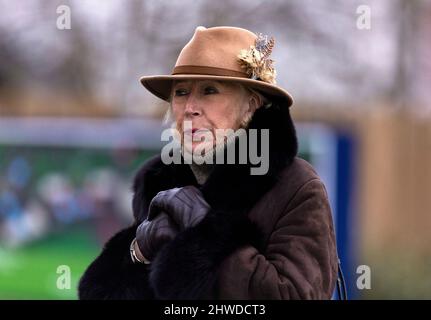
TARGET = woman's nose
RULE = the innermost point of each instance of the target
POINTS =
(192, 108)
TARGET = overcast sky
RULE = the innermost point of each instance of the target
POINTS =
(320, 54)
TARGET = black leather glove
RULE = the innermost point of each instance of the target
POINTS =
(153, 233)
(186, 206)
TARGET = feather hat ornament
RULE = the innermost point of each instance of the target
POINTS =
(256, 61)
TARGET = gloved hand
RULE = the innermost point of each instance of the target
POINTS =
(153, 233)
(186, 206)
(170, 212)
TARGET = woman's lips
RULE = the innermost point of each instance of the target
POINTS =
(196, 131)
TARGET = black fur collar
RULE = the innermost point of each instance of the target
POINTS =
(187, 267)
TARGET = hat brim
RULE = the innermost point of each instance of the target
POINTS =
(160, 85)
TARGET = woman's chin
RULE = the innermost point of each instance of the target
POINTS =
(199, 148)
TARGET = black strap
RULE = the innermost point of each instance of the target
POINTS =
(341, 284)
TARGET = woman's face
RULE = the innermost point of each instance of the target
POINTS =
(208, 105)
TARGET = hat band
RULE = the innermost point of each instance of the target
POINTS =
(214, 71)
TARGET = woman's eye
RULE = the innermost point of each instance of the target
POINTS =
(180, 92)
(210, 90)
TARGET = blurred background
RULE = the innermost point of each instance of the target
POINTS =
(75, 125)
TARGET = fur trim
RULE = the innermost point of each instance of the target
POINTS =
(186, 268)
(113, 275)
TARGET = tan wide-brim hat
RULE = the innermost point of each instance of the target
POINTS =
(213, 53)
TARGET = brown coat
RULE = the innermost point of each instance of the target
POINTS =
(265, 237)
(300, 260)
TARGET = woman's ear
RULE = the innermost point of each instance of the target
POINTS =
(255, 101)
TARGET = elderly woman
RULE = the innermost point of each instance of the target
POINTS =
(216, 229)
